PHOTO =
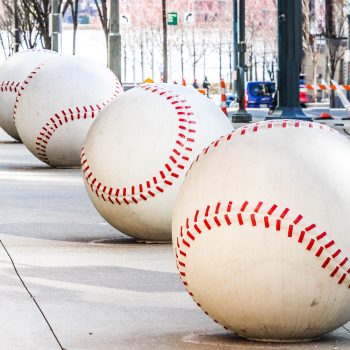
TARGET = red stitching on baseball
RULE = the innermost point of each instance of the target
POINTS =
(330, 256)
(14, 86)
(179, 156)
(9, 86)
(256, 128)
(60, 118)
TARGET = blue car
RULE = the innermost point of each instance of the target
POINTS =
(259, 94)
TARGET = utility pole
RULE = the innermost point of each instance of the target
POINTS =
(56, 26)
(289, 61)
(348, 58)
(241, 116)
(114, 40)
(165, 42)
(17, 34)
(235, 44)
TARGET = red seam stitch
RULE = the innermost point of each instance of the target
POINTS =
(300, 238)
(43, 155)
(177, 153)
(11, 86)
(257, 127)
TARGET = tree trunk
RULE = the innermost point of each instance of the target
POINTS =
(251, 64)
(264, 65)
(142, 58)
(75, 12)
(152, 59)
(330, 37)
(101, 6)
(314, 73)
(305, 32)
(220, 59)
(194, 55)
(125, 61)
(182, 55)
(230, 66)
(17, 39)
(204, 59)
(134, 67)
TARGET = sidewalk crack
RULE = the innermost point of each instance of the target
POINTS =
(32, 297)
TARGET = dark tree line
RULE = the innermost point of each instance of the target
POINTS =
(25, 23)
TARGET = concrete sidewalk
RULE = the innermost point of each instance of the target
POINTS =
(96, 288)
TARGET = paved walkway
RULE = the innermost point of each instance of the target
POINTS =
(68, 280)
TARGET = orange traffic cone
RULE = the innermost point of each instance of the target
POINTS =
(149, 80)
(223, 96)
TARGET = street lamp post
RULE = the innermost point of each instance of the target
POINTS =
(56, 26)
(165, 42)
(235, 43)
(114, 40)
(241, 116)
(289, 61)
(348, 56)
(17, 36)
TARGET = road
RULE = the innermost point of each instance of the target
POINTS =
(69, 280)
(259, 114)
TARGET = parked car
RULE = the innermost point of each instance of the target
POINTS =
(304, 96)
(259, 94)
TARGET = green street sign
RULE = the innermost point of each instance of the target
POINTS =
(172, 18)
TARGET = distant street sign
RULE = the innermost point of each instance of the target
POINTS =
(125, 19)
(172, 18)
(189, 18)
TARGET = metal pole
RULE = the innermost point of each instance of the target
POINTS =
(348, 57)
(17, 34)
(242, 116)
(235, 44)
(165, 42)
(114, 41)
(56, 26)
(289, 60)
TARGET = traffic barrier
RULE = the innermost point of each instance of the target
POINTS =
(326, 87)
(223, 96)
(323, 87)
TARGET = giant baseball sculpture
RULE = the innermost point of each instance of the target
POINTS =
(57, 105)
(261, 231)
(12, 75)
(137, 152)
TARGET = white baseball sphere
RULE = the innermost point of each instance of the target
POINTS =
(58, 103)
(12, 75)
(261, 231)
(136, 154)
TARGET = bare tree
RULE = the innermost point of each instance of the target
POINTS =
(334, 32)
(261, 29)
(103, 15)
(74, 8)
(195, 51)
(154, 46)
(40, 11)
(32, 24)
